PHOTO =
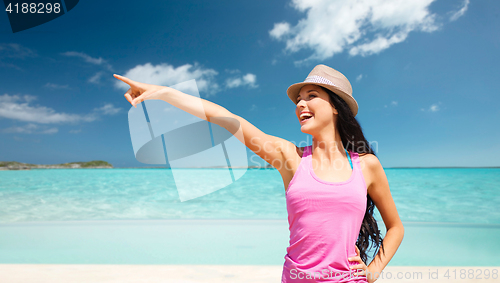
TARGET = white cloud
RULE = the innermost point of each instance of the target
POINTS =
(434, 108)
(393, 103)
(235, 71)
(168, 75)
(14, 50)
(457, 14)
(358, 78)
(50, 131)
(56, 86)
(25, 129)
(246, 80)
(95, 79)
(8, 65)
(279, 30)
(96, 61)
(362, 27)
(253, 108)
(108, 109)
(11, 51)
(18, 108)
(378, 44)
(75, 131)
(30, 129)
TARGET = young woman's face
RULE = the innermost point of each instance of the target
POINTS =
(314, 101)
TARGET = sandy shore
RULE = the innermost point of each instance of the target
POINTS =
(79, 273)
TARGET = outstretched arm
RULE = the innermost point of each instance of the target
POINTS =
(269, 148)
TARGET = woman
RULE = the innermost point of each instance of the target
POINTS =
(330, 191)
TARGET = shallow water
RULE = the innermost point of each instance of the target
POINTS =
(134, 216)
(428, 195)
(223, 242)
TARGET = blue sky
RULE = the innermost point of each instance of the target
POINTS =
(424, 73)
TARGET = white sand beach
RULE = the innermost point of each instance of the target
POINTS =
(80, 273)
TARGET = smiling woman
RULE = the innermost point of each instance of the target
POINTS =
(330, 200)
(342, 214)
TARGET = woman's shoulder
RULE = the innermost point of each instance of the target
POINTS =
(371, 167)
(365, 155)
(369, 160)
(297, 152)
(293, 157)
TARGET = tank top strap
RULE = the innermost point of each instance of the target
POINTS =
(307, 151)
(357, 166)
(355, 159)
(349, 158)
(306, 155)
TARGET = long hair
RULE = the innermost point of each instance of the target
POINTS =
(353, 139)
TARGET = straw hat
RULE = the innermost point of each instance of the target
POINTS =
(328, 78)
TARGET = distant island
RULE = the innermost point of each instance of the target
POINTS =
(97, 164)
(14, 165)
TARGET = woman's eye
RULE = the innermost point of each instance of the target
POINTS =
(313, 95)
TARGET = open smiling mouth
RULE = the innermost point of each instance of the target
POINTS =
(305, 116)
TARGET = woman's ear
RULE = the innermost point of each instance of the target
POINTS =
(335, 111)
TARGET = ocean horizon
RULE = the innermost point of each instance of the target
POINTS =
(259, 168)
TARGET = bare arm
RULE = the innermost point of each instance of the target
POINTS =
(269, 148)
(381, 195)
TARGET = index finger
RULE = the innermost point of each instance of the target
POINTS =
(124, 79)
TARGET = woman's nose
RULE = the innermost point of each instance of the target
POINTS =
(302, 102)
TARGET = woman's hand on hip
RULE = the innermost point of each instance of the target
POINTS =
(365, 271)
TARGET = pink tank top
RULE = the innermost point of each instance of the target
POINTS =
(324, 220)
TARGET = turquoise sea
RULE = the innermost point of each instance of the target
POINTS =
(134, 216)
(427, 195)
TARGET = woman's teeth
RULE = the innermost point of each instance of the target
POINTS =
(305, 116)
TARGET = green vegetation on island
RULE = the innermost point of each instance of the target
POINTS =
(14, 165)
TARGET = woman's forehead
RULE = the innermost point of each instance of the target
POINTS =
(310, 87)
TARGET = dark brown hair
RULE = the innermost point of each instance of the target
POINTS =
(353, 139)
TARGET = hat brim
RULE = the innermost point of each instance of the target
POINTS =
(294, 90)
